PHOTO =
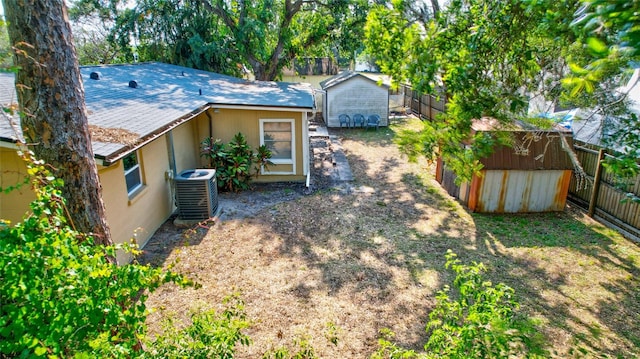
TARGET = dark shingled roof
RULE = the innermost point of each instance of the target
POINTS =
(165, 96)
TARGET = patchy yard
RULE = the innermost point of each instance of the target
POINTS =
(344, 263)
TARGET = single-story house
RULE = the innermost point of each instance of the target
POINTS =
(531, 176)
(168, 111)
(353, 93)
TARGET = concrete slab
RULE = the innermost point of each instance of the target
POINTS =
(340, 160)
(318, 131)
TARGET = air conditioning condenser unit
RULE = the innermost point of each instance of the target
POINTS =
(196, 194)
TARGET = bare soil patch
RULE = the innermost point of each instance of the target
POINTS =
(347, 260)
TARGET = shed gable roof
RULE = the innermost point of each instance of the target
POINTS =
(165, 96)
(344, 77)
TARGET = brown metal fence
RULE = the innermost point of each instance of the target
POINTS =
(424, 106)
(601, 194)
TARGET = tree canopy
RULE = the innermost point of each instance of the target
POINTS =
(612, 42)
(492, 59)
(263, 36)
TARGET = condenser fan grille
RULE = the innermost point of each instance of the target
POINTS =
(196, 194)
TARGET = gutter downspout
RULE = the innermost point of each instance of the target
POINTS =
(172, 153)
(210, 122)
(171, 174)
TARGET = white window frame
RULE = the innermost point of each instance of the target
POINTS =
(133, 191)
(290, 161)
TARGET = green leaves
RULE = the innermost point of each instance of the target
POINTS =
(235, 163)
(60, 295)
(481, 321)
(597, 46)
(486, 57)
(227, 36)
(474, 319)
(209, 334)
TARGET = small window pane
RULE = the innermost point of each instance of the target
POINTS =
(133, 180)
(279, 150)
(132, 176)
(277, 136)
(277, 127)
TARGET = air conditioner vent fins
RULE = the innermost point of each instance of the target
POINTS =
(196, 194)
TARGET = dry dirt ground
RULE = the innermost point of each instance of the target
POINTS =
(338, 263)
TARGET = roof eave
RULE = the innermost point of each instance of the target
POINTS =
(108, 160)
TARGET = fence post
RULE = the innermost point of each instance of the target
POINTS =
(596, 184)
(406, 94)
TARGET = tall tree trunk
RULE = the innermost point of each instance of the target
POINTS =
(51, 98)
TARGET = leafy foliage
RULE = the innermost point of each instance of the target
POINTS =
(209, 335)
(61, 295)
(235, 163)
(479, 321)
(599, 78)
(495, 59)
(227, 36)
(611, 23)
(301, 349)
(488, 57)
(90, 39)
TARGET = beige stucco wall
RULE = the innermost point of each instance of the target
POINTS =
(226, 123)
(141, 215)
(127, 218)
(15, 204)
(186, 145)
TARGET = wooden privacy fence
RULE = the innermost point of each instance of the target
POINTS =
(424, 106)
(600, 196)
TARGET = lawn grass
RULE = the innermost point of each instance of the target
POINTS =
(344, 264)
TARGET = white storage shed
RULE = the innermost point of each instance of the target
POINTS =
(353, 93)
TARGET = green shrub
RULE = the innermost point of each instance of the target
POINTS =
(61, 295)
(235, 163)
(479, 321)
(209, 335)
(301, 349)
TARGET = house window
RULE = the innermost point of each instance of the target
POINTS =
(278, 136)
(132, 174)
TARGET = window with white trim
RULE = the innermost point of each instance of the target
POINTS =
(132, 173)
(278, 136)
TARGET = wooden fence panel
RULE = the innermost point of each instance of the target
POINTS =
(424, 106)
(408, 96)
(612, 203)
